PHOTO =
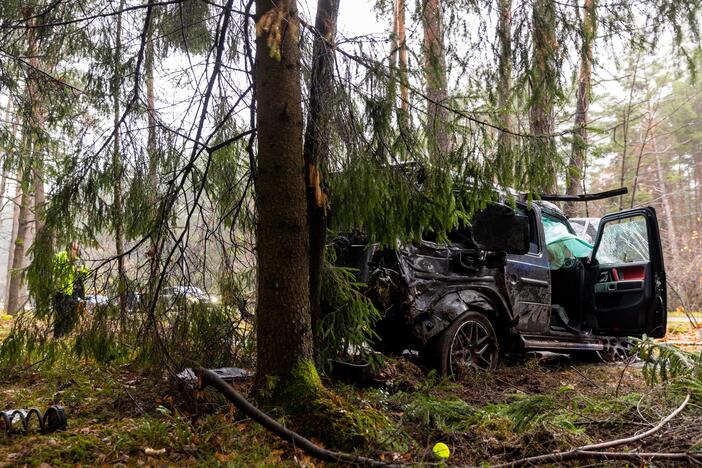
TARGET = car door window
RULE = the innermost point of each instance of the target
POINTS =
(561, 243)
(624, 241)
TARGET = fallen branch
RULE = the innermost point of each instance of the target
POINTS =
(210, 378)
(640, 456)
(593, 450)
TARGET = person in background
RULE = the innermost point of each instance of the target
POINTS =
(68, 275)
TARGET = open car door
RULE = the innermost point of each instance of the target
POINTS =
(627, 276)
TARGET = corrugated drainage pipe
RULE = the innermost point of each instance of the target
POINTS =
(210, 378)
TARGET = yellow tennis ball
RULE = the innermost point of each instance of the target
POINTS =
(441, 450)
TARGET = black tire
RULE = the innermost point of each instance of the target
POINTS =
(469, 344)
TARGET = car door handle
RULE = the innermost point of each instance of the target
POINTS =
(534, 282)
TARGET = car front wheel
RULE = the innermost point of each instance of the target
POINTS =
(470, 343)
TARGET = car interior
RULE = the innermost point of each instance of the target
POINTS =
(607, 294)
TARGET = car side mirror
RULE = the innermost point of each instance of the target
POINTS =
(498, 228)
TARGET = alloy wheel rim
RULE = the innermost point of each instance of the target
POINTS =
(472, 348)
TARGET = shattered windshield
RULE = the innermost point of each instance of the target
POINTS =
(561, 243)
(624, 241)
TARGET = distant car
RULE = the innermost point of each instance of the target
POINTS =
(96, 300)
(134, 300)
(585, 228)
(191, 294)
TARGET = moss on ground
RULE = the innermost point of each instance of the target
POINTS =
(118, 415)
(326, 415)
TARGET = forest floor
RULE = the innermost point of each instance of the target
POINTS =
(541, 404)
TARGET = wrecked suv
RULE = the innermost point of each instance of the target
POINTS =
(516, 280)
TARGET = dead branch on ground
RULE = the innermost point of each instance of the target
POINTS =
(594, 450)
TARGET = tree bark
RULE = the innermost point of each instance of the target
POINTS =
(17, 270)
(435, 80)
(117, 211)
(3, 189)
(543, 84)
(35, 109)
(316, 149)
(152, 151)
(17, 202)
(697, 212)
(504, 92)
(649, 128)
(4, 162)
(625, 128)
(394, 51)
(574, 180)
(402, 54)
(283, 324)
(665, 200)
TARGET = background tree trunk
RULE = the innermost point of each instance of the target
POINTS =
(283, 325)
(316, 149)
(4, 162)
(15, 199)
(17, 269)
(574, 175)
(435, 79)
(152, 150)
(35, 109)
(625, 128)
(504, 92)
(117, 211)
(666, 201)
(697, 212)
(543, 85)
(17, 202)
(402, 54)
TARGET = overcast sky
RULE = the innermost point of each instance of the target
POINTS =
(356, 17)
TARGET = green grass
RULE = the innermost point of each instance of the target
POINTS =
(117, 415)
(679, 313)
(106, 424)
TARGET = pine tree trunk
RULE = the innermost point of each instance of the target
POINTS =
(574, 178)
(394, 51)
(16, 272)
(504, 93)
(152, 152)
(665, 200)
(625, 129)
(697, 212)
(316, 149)
(402, 53)
(4, 162)
(17, 202)
(649, 128)
(37, 124)
(30, 238)
(3, 189)
(543, 83)
(435, 79)
(283, 324)
(117, 168)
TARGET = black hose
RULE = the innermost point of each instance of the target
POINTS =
(237, 399)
